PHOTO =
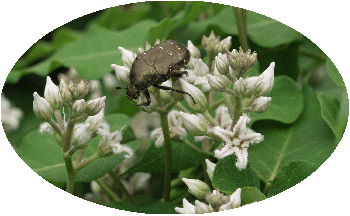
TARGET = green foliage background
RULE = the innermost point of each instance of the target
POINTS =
(303, 126)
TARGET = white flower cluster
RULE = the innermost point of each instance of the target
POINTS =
(176, 129)
(10, 116)
(92, 111)
(224, 73)
(216, 200)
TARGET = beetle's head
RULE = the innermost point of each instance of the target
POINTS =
(132, 92)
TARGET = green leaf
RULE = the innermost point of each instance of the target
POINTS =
(153, 160)
(224, 22)
(309, 138)
(161, 31)
(268, 32)
(250, 195)
(290, 175)
(44, 156)
(335, 113)
(93, 53)
(286, 104)
(146, 205)
(334, 74)
(227, 178)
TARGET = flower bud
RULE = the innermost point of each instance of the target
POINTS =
(165, 94)
(152, 106)
(216, 199)
(201, 69)
(235, 199)
(261, 104)
(81, 135)
(82, 89)
(46, 128)
(226, 44)
(202, 208)
(221, 64)
(42, 108)
(201, 101)
(94, 106)
(194, 124)
(128, 57)
(210, 168)
(188, 208)
(265, 81)
(79, 106)
(122, 73)
(65, 92)
(250, 81)
(52, 94)
(194, 51)
(95, 120)
(216, 83)
(240, 86)
(197, 187)
(174, 95)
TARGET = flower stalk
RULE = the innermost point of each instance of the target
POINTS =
(168, 156)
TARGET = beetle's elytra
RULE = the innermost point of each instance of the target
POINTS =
(155, 66)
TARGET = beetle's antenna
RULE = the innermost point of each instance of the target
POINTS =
(120, 88)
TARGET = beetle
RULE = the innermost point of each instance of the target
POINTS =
(155, 66)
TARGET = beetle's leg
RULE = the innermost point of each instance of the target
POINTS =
(148, 97)
(175, 90)
(177, 73)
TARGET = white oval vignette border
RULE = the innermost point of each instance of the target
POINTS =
(322, 193)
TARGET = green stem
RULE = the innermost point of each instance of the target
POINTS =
(121, 186)
(229, 105)
(181, 107)
(108, 191)
(168, 156)
(70, 173)
(58, 116)
(216, 104)
(55, 127)
(241, 26)
(85, 162)
(192, 146)
(210, 118)
(237, 110)
(266, 188)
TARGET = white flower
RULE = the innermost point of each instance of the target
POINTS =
(52, 94)
(210, 168)
(45, 128)
(235, 199)
(196, 125)
(81, 135)
(10, 116)
(197, 187)
(194, 51)
(79, 106)
(188, 208)
(175, 128)
(216, 83)
(128, 57)
(94, 106)
(122, 73)
(202, 208)
(223, 117)
(152, 106)
(265, 81)
(261, 104)
(240, 86)
(110, 142)
(221, 65)
(42, 108)
(237, 141)
(198, 96)
(95, 120)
